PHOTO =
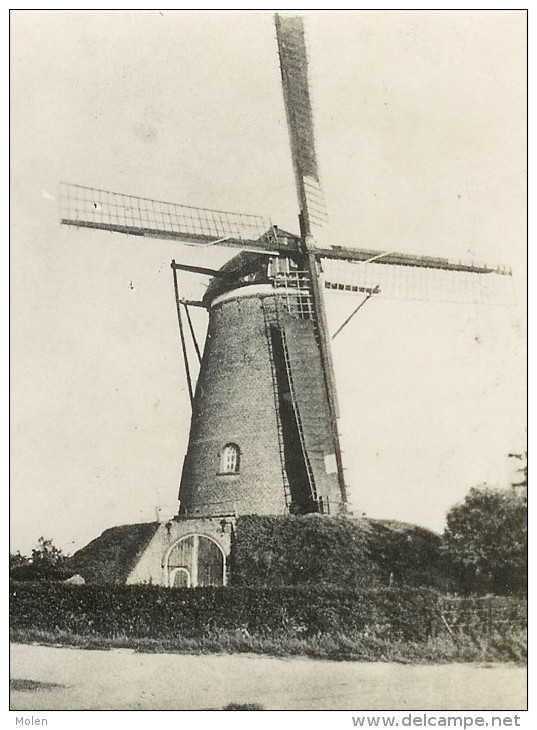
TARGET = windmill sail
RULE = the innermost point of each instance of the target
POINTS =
(392, 258)
(409, 276)
(416, 283)
(296, 92)
(87, 207)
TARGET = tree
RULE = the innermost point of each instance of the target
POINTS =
(46, 553)
(46, 563)
(522, 482)
(485, 540)
(17, 559)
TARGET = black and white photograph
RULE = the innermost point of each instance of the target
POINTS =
(268, 288)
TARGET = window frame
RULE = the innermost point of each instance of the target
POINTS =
(229, 459)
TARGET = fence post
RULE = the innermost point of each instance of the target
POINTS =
(489, 624)
(434, 627)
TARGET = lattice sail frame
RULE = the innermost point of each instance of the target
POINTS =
(294, 67)
(417, 283)
(88, 207)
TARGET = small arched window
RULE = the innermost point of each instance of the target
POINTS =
(230, 459)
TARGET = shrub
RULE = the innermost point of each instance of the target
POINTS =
(39, 571)
(47, 563)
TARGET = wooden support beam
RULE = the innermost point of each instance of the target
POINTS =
(200, 270)
(182, 334)
(193, 303)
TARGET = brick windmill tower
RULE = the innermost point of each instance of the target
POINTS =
(264, 433)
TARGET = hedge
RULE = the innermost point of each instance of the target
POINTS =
(159, 613)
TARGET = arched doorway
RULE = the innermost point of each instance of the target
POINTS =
(195, 560)
(180, 578)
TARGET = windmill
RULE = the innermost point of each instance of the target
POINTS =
(264, 434)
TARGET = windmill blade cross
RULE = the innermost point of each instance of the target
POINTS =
(87, 207)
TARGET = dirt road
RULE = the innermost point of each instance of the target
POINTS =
(123, 680)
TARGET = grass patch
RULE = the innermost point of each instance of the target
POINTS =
(505, 647)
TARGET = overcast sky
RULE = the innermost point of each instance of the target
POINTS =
(421, 139)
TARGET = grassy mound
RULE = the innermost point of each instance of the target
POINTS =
(321, 550)
(291, 551)
(111, 556)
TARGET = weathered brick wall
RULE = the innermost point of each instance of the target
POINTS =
(234, 403)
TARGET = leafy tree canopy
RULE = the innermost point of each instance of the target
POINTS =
(47, 562)
(47, 552)
(17, 559)
(486, 539)
(522, 472)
